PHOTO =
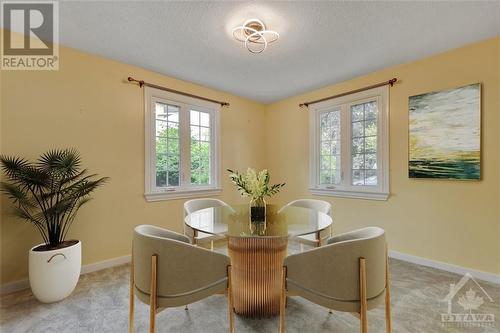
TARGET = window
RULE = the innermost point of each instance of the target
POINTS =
(349, 153)
(182, 154)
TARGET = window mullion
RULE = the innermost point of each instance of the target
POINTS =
(345, 158)
(185, 150)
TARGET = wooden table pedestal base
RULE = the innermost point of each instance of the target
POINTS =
(256, 274)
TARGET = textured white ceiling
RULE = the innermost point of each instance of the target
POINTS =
(321, 42)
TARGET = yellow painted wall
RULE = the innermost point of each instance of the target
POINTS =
(88, 105)
(456, 222)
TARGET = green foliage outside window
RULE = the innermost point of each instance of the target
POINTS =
(168, 159)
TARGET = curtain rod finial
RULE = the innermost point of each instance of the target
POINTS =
(131, 79)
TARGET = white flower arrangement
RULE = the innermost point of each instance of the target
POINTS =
(254, 184)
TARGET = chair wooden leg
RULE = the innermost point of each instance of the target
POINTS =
(283, 300)
(230, 306)
(211, 245)
(195, 237)
(131, 301)
(152, 295)
(318, 239)
(388, 320)
(362, 296)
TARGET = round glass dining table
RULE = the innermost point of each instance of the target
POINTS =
(257, 249)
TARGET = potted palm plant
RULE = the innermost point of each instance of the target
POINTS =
(48, 194)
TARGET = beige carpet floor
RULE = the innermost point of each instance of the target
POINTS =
(100, 304)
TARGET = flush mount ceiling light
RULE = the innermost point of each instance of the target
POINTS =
(255, 35)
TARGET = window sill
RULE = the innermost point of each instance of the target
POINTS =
(380, 196)
(172, 195)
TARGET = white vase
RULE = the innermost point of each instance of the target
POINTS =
(54, 274)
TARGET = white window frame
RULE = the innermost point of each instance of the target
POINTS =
(185, 104)
(345, 189)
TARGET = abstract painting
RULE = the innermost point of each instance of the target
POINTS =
(445, 134)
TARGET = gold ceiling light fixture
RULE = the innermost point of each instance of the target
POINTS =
(255, 35)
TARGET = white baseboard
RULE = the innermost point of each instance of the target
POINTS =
(24, 284)
(485, 276)
(105, 264)
(11, 287)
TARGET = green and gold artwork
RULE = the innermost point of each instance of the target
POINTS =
(445, 134)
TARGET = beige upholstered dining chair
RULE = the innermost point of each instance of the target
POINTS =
(319, 205)
(349, 274)
(167, 271)
(198, 237)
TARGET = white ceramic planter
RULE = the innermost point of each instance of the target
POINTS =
(54, 274)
